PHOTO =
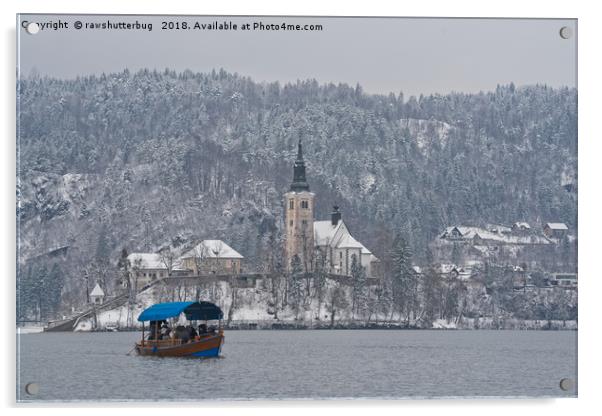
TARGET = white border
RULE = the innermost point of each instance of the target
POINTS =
(589, 194)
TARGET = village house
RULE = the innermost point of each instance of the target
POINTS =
(148, 267)
(479, 236)
(212, 257)
(556, 230)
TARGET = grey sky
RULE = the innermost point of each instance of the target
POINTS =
(382, 54)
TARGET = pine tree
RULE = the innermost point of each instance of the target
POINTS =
(403, 278)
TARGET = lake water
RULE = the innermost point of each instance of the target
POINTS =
(303, 364)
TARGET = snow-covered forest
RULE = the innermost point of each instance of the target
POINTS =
(148, 159)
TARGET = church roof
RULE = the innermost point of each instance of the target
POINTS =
(324, 232)
(337, 236)
(299, 181)
(213, 249)
(97, 291)
(347, 241)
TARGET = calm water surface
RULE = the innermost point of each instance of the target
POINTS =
(302, 364)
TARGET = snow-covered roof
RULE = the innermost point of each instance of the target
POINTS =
(557, 226)
(213, 249)
(151, 261)
(97, 291)
(498, 228)
(146, 261)
(347, 241)
(472, 232)
(337, 236)
(324, 232)
(522, 225)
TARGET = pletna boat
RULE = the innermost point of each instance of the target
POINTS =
(163, 341)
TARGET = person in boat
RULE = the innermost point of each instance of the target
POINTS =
(192, 332)
(202, 329)
(165, 330)
(182, 334)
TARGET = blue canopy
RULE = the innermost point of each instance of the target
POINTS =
(194, 311)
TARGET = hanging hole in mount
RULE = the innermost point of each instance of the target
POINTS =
(566, 32)
(567, 384)
(32, 388)
(32, 28)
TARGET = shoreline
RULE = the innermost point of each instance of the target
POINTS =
(300, 326)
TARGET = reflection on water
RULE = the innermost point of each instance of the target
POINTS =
(303, 364)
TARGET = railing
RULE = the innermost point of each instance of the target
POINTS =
(172, 342)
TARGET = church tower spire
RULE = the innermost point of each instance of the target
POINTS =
(299, 217)
(299, 181)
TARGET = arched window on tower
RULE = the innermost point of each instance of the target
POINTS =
(291, 204)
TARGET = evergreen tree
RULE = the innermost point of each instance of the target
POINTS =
(403, 278)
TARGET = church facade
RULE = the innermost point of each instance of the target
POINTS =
(328, 242)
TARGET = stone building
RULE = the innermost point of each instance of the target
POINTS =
(299, 217)
(212, 257)
(148, 267)
(327, 241)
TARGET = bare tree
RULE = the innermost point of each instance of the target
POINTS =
(168, 258)
(337, 300)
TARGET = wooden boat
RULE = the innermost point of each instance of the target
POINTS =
(204, 344)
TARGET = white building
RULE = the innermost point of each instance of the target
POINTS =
(148, 267)
(212, 257)
(97, 296)
(338, 247)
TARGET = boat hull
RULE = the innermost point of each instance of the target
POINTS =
(209, 346)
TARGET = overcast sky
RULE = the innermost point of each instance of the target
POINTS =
(382, 54)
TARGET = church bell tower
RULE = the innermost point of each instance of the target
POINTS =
(299, 217)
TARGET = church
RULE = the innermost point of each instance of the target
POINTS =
(312, 240)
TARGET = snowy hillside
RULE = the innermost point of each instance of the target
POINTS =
(148, 159)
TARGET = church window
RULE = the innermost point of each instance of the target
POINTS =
(291, 204)
(291, 223)
(304, 223)
(304, 204)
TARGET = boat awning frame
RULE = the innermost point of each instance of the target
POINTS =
(194, 311)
